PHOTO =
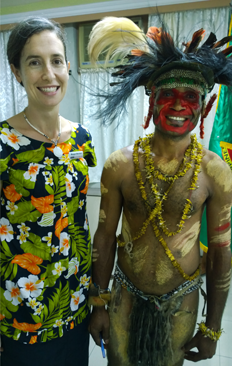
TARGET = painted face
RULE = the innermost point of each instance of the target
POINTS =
(177, 111)
(43, 69)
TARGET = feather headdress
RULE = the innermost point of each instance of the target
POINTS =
(154, 60)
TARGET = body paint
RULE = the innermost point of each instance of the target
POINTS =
(221, 173)
(225, 213)
(168, 167)
(222, 227)
(103, 189)
(102, 216)
(115, 157)
(190, 109)
(221, 238)
(186, 241)
(163, 273)
(95, 255)
(139, 259)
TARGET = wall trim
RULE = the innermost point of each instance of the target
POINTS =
(93, 8)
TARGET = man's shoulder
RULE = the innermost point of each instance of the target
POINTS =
(217, 170)
(119, 158)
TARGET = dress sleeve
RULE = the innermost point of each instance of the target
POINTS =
(89, 151)
(5, 158)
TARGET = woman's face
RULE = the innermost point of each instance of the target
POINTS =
(43, 70)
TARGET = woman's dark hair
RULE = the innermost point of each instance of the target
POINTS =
(26, 29)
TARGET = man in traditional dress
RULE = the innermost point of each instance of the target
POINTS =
(161, 185)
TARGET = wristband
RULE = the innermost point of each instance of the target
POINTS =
(210, 333)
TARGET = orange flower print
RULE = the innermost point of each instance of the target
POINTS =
(43, 204)
(14, 161)
(29, 262)
(72, 325)
(33, 339)
(11, 193)
(2, 316)
(60, 225)
(65, 147)
(26, 327)
(86, 185)
(82, 147)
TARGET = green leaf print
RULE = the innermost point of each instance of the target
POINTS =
(80, 247)
(25, 212)
(73, 205)
(52, 274)
(16, 177)
(59, 184)
(49, 189)
(80, 166)
(73, 134)
(36, 247)
(4, 164)
(5, 248)
(72, 141)
(32, 156)
(59, 306)
(6, 307)
(7, 269)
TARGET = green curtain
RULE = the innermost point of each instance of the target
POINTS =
(222, 131)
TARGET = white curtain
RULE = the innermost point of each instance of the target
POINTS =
(181, 25)
(109, 139)
(13, 98)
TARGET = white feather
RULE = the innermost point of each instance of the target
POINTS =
(115, 36)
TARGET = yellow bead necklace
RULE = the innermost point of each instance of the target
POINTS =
(194, 151)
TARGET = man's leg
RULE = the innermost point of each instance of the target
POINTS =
(119, 311)
(184, 323)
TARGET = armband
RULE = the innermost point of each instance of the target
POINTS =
(210, 333)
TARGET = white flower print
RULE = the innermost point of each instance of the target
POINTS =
(48, 161)
(84, 280)
(23, 228)
(76, 299)
(58, 323)
(64, 209)
(22, 237)
(48, 239)
(81, 204)
(58, 269)
(48, 178)
(39, 309)
(64, 243)
(12, 293)
(30, 286)
(70, 186)
(13, 138)
(32, 303)
(11, 207)
(6, 230)
(33, 170)
(65, 159)
(70, 167)
(54, 250)
(75, 175)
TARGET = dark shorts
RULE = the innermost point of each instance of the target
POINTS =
(71, 349)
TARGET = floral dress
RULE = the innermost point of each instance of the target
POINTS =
(44, 232)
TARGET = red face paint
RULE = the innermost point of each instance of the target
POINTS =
(175, 103)
(222, 227)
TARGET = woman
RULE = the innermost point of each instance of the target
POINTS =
(45, 239)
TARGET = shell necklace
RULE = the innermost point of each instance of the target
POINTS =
(55, 142)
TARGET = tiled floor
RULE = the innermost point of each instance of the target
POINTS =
(223, 355)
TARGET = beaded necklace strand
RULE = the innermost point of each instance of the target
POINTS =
(194, 152)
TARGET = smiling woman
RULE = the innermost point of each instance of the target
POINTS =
(44, 233)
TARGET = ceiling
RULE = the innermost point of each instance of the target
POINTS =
(7, 3)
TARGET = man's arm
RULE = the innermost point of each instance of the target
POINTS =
(218, 265)
(104, 245)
